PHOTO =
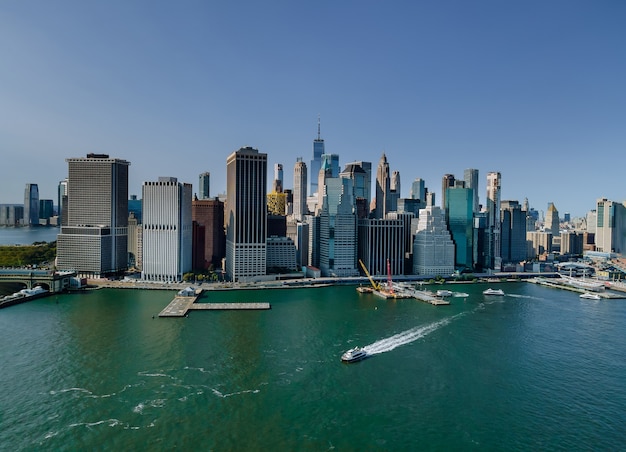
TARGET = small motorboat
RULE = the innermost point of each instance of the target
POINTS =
(491, 291)
(590, 296)
(353, 355)
(444, 293)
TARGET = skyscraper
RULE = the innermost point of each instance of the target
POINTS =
(459, 217)
(277, 186)
(299, 190)
(31, 205)
(446, 182)
(204, 181)
(62, 202)
(433, 248)
(94, 241)
(246, 214)
(552, 223)
(383, 188)
(470, 176)
(418, 190)
(209, 213)
(514, 247)
(493, 220)
(167, 230)
(316, 163)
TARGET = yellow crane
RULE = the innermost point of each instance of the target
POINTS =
(375, 285)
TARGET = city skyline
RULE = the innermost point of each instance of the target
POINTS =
(533, 91)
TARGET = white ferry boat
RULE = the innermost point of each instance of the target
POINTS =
(353, 355)
(491, 291)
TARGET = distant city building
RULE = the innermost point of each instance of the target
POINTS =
(46, 210)
(135, 207)
(209, 213)
(277, 185)
(433, 248)
(367, 185)
(552, 223)
(447, 181)
(539, 243)
(11, 214)
(135, 243)
(470, 177)
(418, 190)
(167, 230)
(610, 226)
(493, 220)
(316, 163)
(31, 205)
(94, 238)
(360, 184)
(300, 181)
(246, 214)
(277, 203)
(459, 219)
(382, 199)
(204, 184)
(572, 243)
(513, 218)
(281, 254)
(62, 202)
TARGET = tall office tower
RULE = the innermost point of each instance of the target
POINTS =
(62, 202)
(299, 190)
(539, 243)
(31, 205)
(338, 243)
(418, 190)
(358, 176)
(167, 230)
(313, 257)
(383, 188)
(610, 226)
(571, 243)
(552, 223)
(316, 163)
(209, 213)
(11, 214)
(246, 214)
(470, 176)
(382, 241)
(459, 218)
(433, 248)
(367, 188)
(407, 219)
(204, 182)
(446, 182)
(592, 220)
(94, 241)
(514, 248)
(394, 191)
(493, 220)
(277, 185)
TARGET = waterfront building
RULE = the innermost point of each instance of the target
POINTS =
(167, 230)
(281, 254)
(459, 219)
(552, 223)
(572, 243)
(31, 205)
(433, 248)
(46, 211)
(209, 213)
(300, 181)
(382, 241)
(514, 248)
(62, 202)
(480, 240)
(610, 226)
(94, 238)
(204, 182)
(493, 221)
(383, 189)
(407, 219)
(338, 243)
(470, 177)
(316, 162)
(246, 214)
(11, 214)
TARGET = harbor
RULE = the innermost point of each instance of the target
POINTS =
(185, 301)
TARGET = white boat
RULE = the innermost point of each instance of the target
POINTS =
(353, 355)
(590, 296)
(444, 293)
(461, 294)
(491, 291)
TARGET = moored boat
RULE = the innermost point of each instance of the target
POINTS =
(590, 296)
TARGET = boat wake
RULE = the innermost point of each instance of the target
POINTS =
(408, 336)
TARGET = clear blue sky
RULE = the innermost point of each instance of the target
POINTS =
(533, 89)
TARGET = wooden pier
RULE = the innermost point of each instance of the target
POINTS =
(182, 304)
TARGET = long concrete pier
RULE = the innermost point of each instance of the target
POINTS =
(182, 304)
